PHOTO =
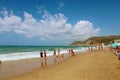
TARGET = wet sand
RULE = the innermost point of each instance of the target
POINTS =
(97, 65)
(10, 69)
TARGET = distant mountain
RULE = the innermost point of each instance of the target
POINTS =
(95, 40)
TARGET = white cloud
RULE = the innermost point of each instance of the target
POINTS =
(85, 29)
(60, 5)
(5, 12)
(9, 23)
(40, 9)
(51, 27)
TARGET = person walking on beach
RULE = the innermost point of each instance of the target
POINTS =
(45, 57)
(89, 49)
(54, 55)
(58, 53)
(41, 56)
(73, 54)
(69, 52)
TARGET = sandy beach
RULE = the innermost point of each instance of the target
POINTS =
(97, 65)
(13, 68)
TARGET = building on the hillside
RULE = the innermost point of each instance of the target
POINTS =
(117, 41)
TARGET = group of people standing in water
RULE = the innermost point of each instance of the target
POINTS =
(56, 55)
(43, 55)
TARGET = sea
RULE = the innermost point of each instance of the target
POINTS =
(8, 53)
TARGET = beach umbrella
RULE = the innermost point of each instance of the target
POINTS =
(113, 45)
(117, 44)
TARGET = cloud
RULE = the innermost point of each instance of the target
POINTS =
(40, 9)
(50, 27)
(85, 29)
(10, 22)
(60, 5)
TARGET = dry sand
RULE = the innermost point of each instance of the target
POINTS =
(101, 65)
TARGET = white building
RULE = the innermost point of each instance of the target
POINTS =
(117, 41)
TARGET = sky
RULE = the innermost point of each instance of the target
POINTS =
(57, 22)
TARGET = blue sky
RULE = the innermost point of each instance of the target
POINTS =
(57, 22)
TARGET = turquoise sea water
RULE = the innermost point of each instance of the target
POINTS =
(21, 52)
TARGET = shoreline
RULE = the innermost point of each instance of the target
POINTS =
(20, 56)
(25, 66)
(97, 65)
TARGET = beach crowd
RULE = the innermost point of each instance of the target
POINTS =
(56, 55)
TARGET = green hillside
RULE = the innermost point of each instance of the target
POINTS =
(96, 40)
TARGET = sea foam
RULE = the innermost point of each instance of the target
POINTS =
(35, 54)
